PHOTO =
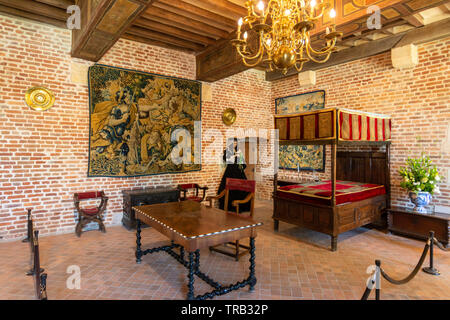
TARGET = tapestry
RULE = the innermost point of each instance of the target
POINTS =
(292, 157)
(133, 116)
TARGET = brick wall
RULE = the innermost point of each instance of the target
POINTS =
(44, 155)
(417, 99)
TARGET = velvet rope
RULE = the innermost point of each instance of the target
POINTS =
(413, 273)
(440, 245)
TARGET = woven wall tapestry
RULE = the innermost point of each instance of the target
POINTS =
(132, 117)
(293, 157)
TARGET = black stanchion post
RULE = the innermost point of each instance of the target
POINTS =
(29, 227)
(431, 270)
(377, 279)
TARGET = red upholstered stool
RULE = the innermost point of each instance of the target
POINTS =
(90, 214)
(184, 188)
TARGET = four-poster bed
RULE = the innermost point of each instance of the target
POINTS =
(359, 189)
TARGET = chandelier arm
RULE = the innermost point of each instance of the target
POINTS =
(322, 52)
(318, 16)
(259, 52)
(299, 68)
(251, 65)
(317, 60)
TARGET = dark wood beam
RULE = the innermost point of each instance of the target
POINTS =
(185, 22)
(38, 9)
(153, 35)
(434, 31)
(32, 16)
(103, 23)
(343, 56)
(219, 61)
(196, 13)
(220, 7)
(63, 4)
(173, 31)
(155, 43)
(414, 20)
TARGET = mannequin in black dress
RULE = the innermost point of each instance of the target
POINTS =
(234, 169)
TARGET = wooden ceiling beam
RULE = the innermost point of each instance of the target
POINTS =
(36, 8)
(219, 61)
(431, 32)
(62, 4)
(183, 21)
(195, 13)
(173, 31)
(221, 7)
(103, 24)
(152, 35)
(32, 16)
(136, 38)
(414, 20)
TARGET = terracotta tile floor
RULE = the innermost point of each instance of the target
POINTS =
(292, 264)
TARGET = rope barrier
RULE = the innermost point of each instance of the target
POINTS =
(413, 273)
(440, 245)
(40, 278)
(430, 270)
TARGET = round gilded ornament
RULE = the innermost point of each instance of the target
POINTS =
(229, 116)
(39, 98)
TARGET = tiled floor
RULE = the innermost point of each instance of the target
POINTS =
(291, 264)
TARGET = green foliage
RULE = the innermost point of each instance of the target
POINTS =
(420, 175)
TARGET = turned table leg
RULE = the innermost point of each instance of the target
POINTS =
(138, 242)
(252, 276)
(191, 268)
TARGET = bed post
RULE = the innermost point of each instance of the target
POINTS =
(333, 195)
(275, 184)
(388, 175)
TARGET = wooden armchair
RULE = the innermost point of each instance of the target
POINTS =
(184, 188)
(240, 185)
(90, 214)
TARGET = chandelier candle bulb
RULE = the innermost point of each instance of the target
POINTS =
(261, 7)
(332, 13)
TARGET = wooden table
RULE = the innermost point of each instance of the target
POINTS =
(192, 226)
(405, 221)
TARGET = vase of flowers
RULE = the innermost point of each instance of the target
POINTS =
(420, 178)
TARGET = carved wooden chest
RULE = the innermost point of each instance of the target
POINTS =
(145, 196)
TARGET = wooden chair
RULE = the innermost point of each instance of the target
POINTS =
(90, 214)
(240, 185)
(184, 188)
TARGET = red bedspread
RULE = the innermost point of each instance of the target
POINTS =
(320, 192)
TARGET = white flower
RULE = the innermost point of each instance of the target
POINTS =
(437, 190)
(437, 178)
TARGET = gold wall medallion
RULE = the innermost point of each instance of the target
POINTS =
(39, 98)
(229, 116)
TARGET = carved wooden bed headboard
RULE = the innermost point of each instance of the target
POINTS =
(370, 167)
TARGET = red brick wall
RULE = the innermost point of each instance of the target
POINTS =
(417, 99)
(44, 155)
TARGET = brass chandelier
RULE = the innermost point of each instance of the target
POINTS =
(282, 30)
